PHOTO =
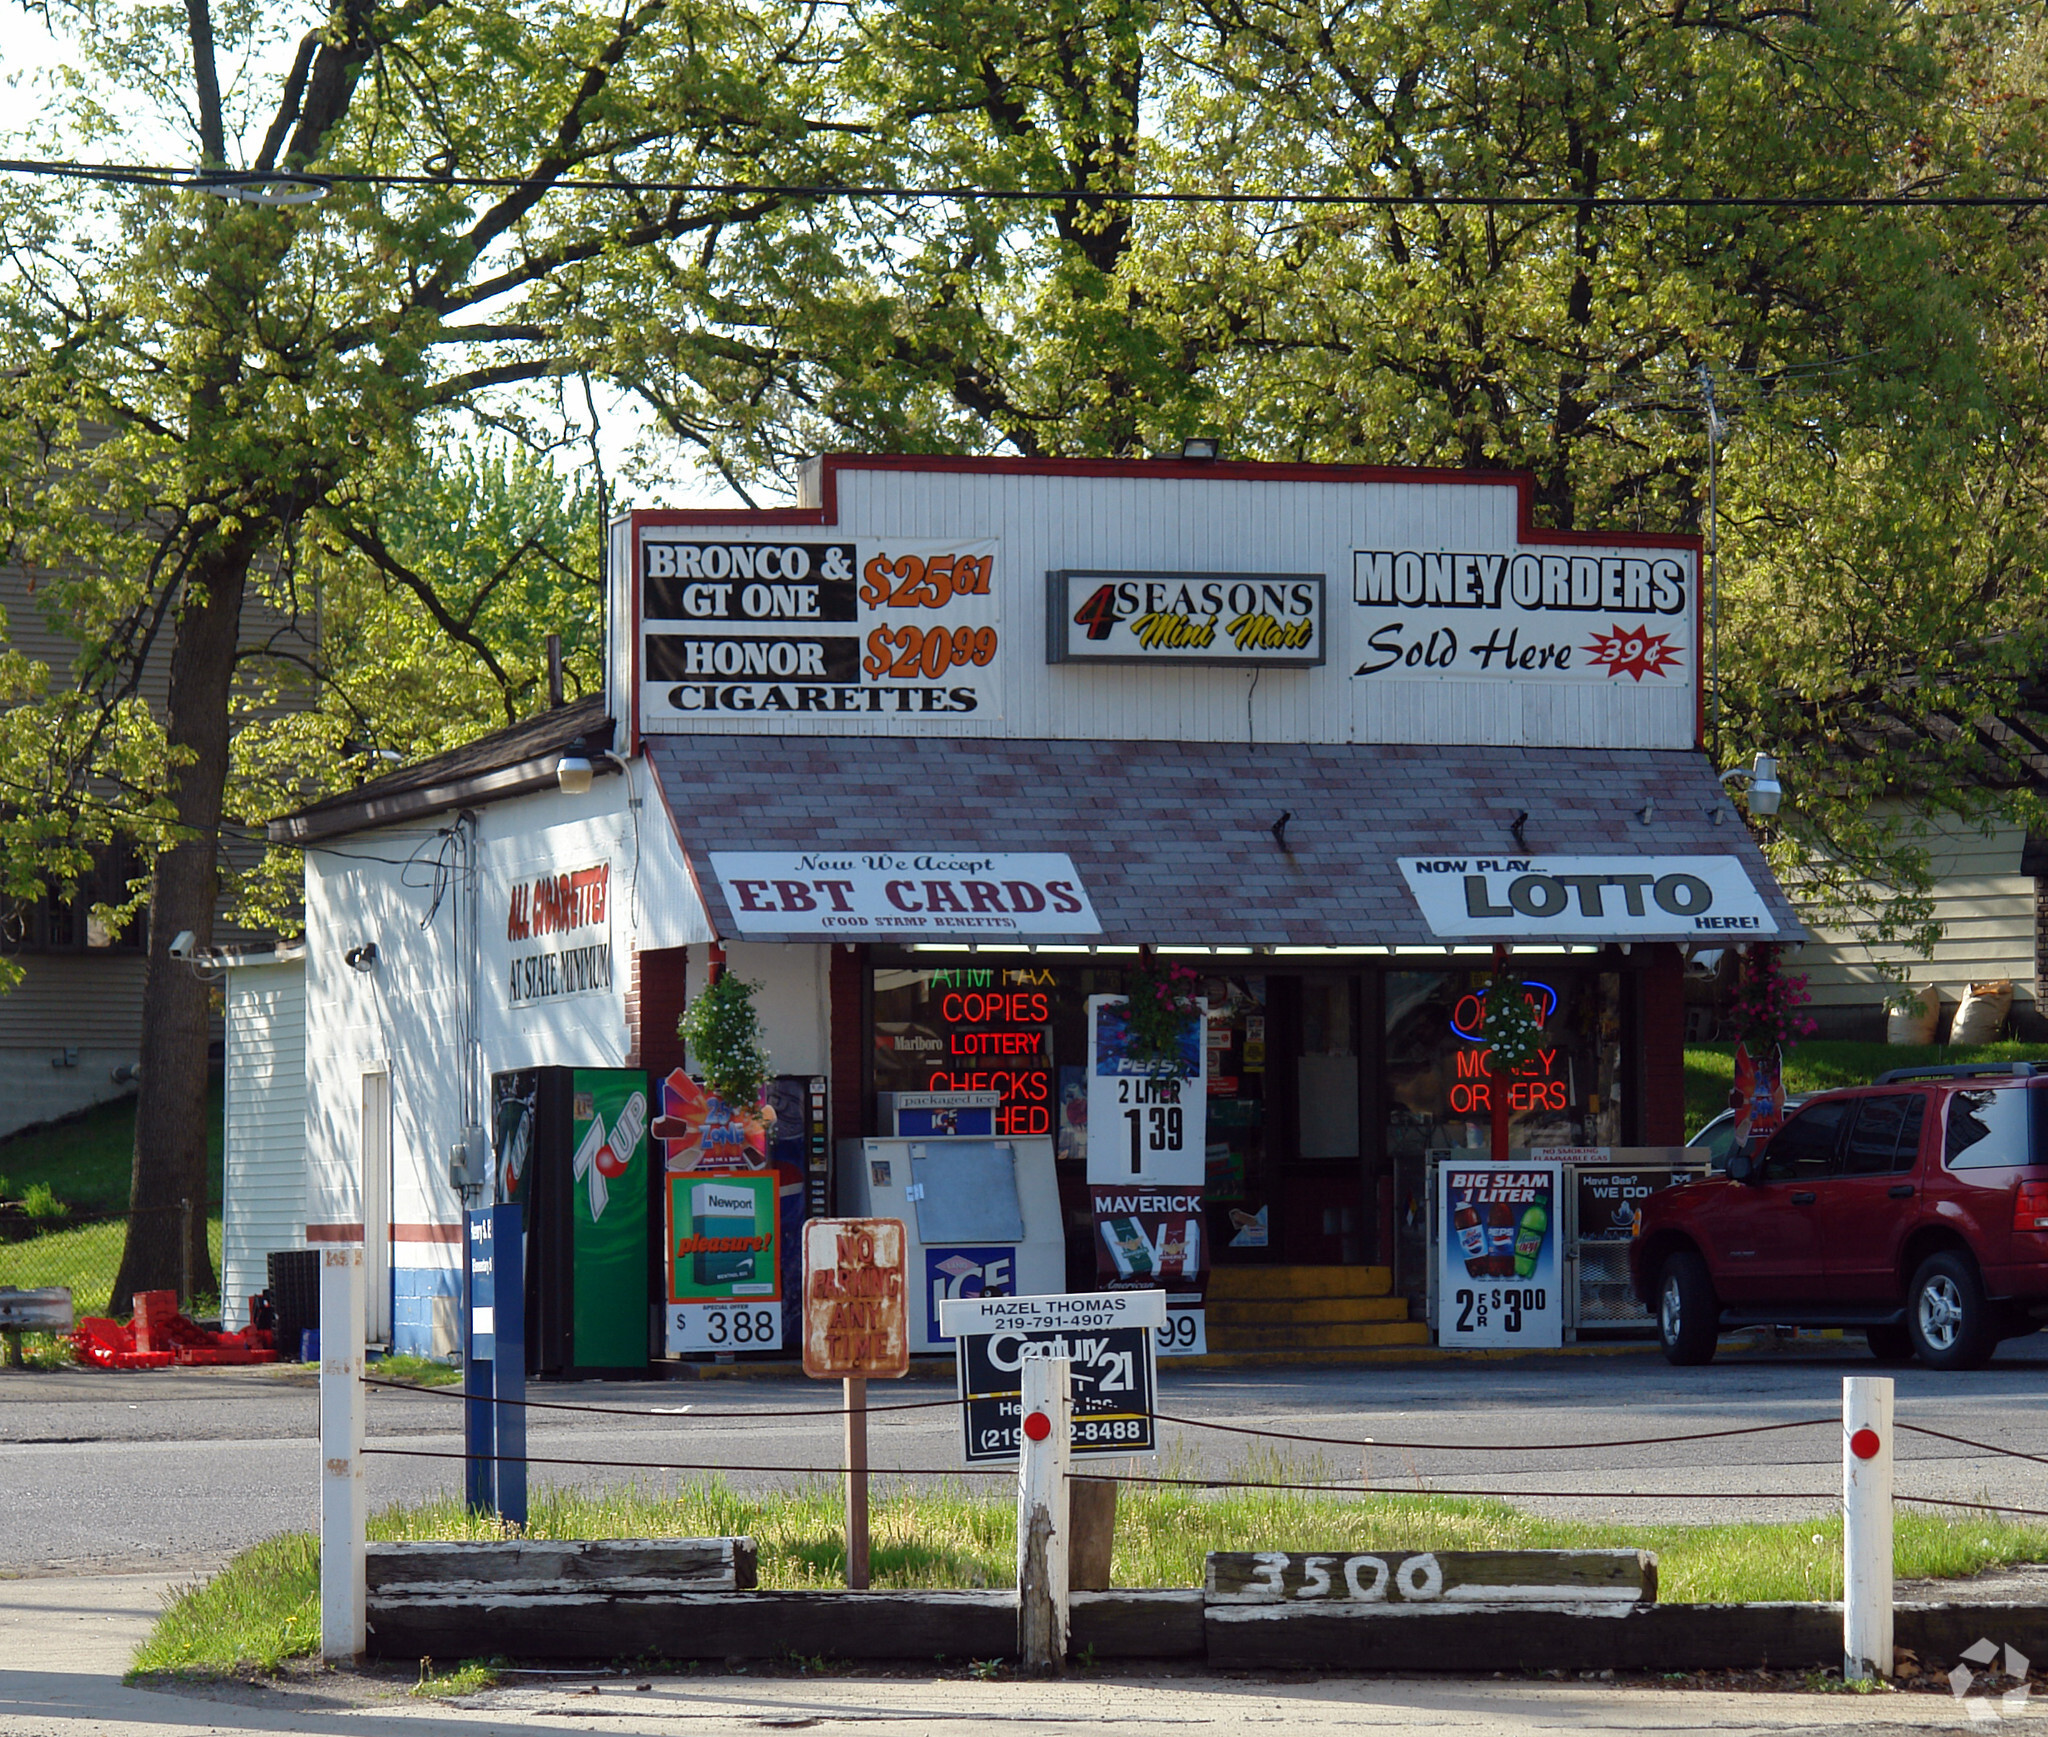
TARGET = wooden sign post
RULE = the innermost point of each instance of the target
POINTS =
(856, 1329)
(1044, 1458)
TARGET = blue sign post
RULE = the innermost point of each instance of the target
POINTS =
(494, 1362)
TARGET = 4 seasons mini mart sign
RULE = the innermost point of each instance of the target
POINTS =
(1588, 898)
(1246, 620)
(856, 896)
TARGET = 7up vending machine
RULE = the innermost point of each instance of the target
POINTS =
(570, 1148)
(1498, 1279)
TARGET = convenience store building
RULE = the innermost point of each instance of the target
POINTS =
(934, 754)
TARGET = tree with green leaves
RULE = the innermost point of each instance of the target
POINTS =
(199, 385)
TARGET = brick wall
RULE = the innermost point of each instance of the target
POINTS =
(1663, 1005)
(660, 987)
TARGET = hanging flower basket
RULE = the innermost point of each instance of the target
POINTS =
(1513, 1030)
(1161, 1010)
(1767, 1002)
(724, 1035)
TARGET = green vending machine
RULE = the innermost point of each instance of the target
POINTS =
(571, 1150)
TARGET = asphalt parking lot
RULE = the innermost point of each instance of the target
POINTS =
(177, 1469)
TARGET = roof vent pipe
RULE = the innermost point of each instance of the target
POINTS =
(554, 672)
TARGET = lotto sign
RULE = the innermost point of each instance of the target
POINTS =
(1108, 1338)
(1497, 1266)
(724, 1262)
(1146, 1123)
(856, 1322)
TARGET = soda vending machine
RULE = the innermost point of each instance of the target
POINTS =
(569, 1147)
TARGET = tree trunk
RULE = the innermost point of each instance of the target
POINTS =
(170, 1162)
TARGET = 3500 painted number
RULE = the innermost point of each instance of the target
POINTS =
(1418, 1579)
(927, 651)
(920, 582)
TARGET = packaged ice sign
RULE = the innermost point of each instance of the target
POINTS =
(748, 632)
(1108, 1338)
(1497, 1264)
(953, 1273)
(1549, 615)
(877, 893)
(1587, 898)
(1244, 620)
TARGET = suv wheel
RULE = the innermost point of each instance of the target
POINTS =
(1893, 1344)
(1688, 1313)
(1947, 1315)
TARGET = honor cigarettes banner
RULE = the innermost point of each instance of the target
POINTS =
(904, 893)
(1587, 898)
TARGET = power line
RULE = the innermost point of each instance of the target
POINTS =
(162, 175)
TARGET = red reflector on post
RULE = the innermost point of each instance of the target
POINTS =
(1864, 1444)
(1038, 1426)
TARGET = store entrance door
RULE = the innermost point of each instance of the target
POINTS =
(1324, 1216)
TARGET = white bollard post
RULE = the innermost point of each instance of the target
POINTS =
(1043, 1457)
(1866, 1526)
(343, 1507)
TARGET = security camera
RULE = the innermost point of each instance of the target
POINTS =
(184, 944)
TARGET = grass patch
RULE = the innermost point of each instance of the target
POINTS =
(420, 1371)
(86, 1160)
(471, 1677)
(1818, 1065)
(263, 1607)
(85, 1257)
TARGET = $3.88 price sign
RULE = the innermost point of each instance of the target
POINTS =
(1506, 1305)
(725, 1327)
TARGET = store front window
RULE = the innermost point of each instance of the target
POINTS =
(1439, 1085)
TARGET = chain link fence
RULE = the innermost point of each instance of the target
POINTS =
(82, 1252)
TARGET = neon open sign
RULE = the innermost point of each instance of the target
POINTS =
(1468, 1018)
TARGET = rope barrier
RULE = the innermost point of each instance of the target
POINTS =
(633, 1411)
(1980, 1446)
(1496, 1447)
(1359, 1487)
(1980, 1507)
(673, 1466)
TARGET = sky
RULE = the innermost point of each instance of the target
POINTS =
(28, 48)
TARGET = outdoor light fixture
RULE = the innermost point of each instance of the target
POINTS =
(1515, 826)
(362, 956)
(1765, 792)
(1279, 828)
(574, 773)
(1201, 448)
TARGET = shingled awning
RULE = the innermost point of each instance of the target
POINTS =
(1174, 841)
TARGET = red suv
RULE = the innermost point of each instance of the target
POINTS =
(1915, 1209)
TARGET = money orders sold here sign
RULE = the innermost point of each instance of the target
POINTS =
(1547, 616)
(850, 896)
(1586, 898)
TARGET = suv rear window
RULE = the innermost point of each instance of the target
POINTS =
(1886, 1137)
(1989, 1129)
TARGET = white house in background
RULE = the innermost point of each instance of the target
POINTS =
(1988, 899)
(264, 1208)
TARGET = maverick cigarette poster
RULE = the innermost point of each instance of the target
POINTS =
(1497, 1264)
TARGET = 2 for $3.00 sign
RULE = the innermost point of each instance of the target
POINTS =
(1498, 1280)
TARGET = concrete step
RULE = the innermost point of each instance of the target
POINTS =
(1228, 1281)
(1307, 1311)
(1328, 1336)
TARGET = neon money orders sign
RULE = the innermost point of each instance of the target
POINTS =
(1593, 617)
(1587, 898)
(868, 893)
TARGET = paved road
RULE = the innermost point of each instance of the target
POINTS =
(63, 1643)
(177, 1469)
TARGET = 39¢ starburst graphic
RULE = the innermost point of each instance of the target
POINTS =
(1633, 651)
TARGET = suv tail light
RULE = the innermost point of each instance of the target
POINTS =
(2030, 1207)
